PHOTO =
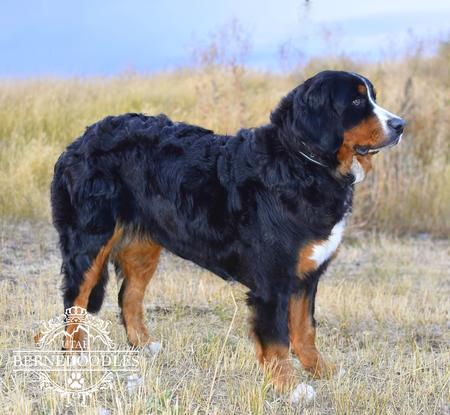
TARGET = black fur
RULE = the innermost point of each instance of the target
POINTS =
(240, 206)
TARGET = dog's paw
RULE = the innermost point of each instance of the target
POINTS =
(152, 348)
(303, 393)
(321, 369)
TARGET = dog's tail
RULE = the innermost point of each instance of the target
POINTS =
(81, 244)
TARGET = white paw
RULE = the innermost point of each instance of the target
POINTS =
(152, 348)
(303, 393)
(133, 382)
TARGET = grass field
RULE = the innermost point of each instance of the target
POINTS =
(382, 317)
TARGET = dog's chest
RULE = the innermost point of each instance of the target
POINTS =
(324, 250)
(312, 255)
(316, 252)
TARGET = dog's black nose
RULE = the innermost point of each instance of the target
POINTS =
(397, 124)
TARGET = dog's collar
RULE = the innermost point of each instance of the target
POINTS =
(357, 170)
(312, 159)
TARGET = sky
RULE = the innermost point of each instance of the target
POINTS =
(105, 37)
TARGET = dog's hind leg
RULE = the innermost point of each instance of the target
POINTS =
(85, 276)
(137, 263)
(270, 335)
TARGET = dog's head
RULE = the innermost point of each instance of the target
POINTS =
(333, 117)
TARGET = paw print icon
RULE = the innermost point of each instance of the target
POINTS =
(75, 380)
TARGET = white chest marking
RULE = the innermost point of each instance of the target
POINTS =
(324, 250)
(358, 171)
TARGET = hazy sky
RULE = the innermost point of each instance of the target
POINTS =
(98, 37)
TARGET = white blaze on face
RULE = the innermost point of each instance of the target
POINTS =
(382, 114)
(324, 251)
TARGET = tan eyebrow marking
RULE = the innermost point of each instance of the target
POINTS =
(362, 89)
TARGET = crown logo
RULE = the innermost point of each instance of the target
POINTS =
(76, 314)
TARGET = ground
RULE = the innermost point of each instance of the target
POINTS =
(382, 317)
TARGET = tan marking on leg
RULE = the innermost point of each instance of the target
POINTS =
(303, 335)
(91, 278)
(138, 261)
(92, 275)
(274, 358)
(75, 339)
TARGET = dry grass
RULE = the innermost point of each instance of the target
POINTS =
(382, 314)
(407, 193)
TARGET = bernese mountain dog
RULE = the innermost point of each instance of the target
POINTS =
(266, 207)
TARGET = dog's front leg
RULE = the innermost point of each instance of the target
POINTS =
(269, 331)
(302, 329)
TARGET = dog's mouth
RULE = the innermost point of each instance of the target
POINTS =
(365, 150)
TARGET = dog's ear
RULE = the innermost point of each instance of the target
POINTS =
(308, 118)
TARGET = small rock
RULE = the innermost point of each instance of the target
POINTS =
(152, 348)
(303, 393)
(133, 382)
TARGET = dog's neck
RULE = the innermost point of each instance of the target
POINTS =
(346, 167)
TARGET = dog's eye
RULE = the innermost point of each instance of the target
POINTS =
(357, 102)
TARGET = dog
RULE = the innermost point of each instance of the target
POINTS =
(266, 207)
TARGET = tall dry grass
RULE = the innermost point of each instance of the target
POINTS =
(408, 191)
